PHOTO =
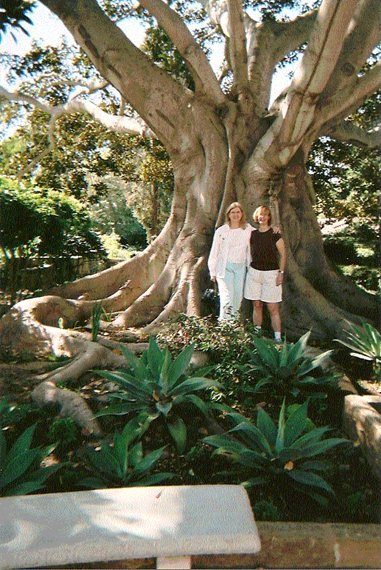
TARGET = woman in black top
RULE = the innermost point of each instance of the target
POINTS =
(265, 276)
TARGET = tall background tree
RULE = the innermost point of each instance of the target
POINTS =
(225, 142)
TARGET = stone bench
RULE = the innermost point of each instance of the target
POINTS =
(167, 523)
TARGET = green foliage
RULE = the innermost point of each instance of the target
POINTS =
(364, 342)
(20, 216)
(64, 432)
(126, 181)
(363, 276)
(354, 249)
(32, 222)
(114, 249)
(217, 338)
(265, 510)
(10, 414)
(157, 386)
(346, 184)
(14, 14)
(160, 48)
(20, 465)
(283, 456)
(289, 371)
(345, 176)
(96, 315)
(123, 463)
(112, 217)
(226, 344)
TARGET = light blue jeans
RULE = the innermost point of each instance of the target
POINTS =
(230, 289)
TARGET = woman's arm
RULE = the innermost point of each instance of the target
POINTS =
(282, 260)
(213, 256)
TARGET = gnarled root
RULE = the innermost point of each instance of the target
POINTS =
(71, 405)
(28, 328)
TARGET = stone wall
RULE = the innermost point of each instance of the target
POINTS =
(45, 272)
(291, 545)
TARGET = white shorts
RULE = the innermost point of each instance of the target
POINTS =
(261, 286)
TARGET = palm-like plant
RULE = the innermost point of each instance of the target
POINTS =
(279, 455)
(20, 465)
(288, 372)
(364, 342)
(123, 463)
(155, 385)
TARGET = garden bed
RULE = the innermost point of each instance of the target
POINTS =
(356, 489)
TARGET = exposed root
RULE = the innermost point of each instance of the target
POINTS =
(305, 308)
(121, 284)
(28, 328)
(174, 307)
(149, 305)
(196, 286)
(71, 405)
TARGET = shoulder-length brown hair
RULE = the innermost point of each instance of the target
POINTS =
(233, 205)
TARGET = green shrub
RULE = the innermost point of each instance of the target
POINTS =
(282, 456)
(20, 465)
(288, 372)
(227, 345)
(123, 463)
(64, 432)
(364, 342)
(222, 340)
(157, 386)
(366, 277)
(12, 414)
(265, 510)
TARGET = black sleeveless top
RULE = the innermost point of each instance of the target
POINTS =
(264, 253)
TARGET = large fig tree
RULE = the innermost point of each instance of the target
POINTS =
(225, 143)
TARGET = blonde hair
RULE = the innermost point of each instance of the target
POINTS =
(259, 210)
(233, 205)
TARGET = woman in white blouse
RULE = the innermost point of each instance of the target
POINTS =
(229, 258)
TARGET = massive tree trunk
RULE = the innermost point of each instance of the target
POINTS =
(223, 148)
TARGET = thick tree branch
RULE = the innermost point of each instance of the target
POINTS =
(160, 100)
(237, 43)
(349, 132)
(348, 100)
(116, 123)
(314, 71)
(217, 11)
(268, 43)
(24, 98)
(363, 35)
(198, 63)
(288, 36)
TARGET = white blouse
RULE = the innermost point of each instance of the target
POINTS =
(229, 245)
(237, 244)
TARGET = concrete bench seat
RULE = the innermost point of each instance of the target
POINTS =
(168, 523)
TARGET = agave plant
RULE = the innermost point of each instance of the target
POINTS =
(288, 372)
(156, 385)
(279, 455)
(20, 465)
(123, 463)
(365, 342)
